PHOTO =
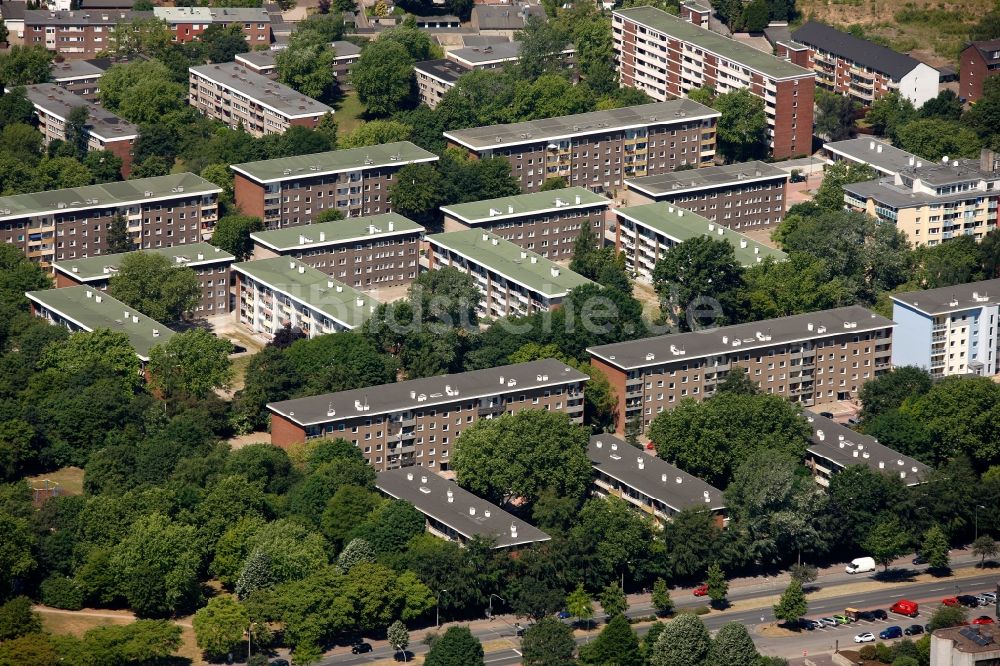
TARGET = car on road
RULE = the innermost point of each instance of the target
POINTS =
(519, 630)
(914, 630)
(890, 632)
(866, 637)
(701, 590)
(950, 601)
(919, 559)
(879, 614)
(827, 622)
(361, 647)
(842, 619)
(564, 615)
(991, 597)
(280, 662)
(968, 600)
(984, 619)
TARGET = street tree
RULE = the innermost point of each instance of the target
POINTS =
(935, 547)
(232, 234)
(613, 600)
(700, 283)
(455, 647)
(616, 644)
(683, 642)
(718, 587)
(219, 626)
(985, 547)
(398, 637)
(155, 286)
(803, 573)
(662, 602)
(742, 128)
(886, 540)
(548, 642)
(579, 604)
(792, 605)
(193, 363)
(733, 646)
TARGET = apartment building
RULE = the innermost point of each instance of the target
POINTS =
(345, 55)
(496, 56)
(188, 23)
(666, 56)
(366, 252)
(862, 70)
(885, 159)
(648, 483)
(80, 77)
(811, 359)
(240, 97)
(600, 149)
(454, 513)
(751, 193)
(556, 217)
(512, 282)
(978, 62)
(833, 447)
(209, 263)
(417, 422)
(435, 78)
(259, 62)
(645, 233)
(291, 191)
(76, 33)
(263, 62)
(86, 309)
(934, 202)
(503, 20)
(105, 130)
(72, 223)
(272, 293)
(949, 331)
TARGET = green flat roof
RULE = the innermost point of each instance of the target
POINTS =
(107, 194)
(680, 225)
(334, 161)
(525, 204)
(312, 288)
(102, 311)
(106, 265)
(522, 266)
(731, 49)
(336, 232)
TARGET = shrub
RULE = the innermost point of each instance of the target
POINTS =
(868, 653)
(883, 653)
(701, 610)
(62, 592)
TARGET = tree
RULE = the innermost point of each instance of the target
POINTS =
(616, 644)
(700, 283)
(155, 286)
(890, 112)
(398, 637)
(455, 647)
(255, 575)
(613, 600)
(490, 458)
(933, 138)
(946, 106)
(886, 541)
(18, 619)
(447, 297)
(77, 134)
(307, 66)
(25, 65)
(192, 363)
(733, 646)
(557, 183)
(985, 546)
(935, 547)
(375, 132)
(835, 121)
(548, 642)
(147, 36)
(947, 616)
(383, 76)
(831, 192)
(232, 234)
(224, 42)
(742, 128)
(803, 573)
(755, 16)
(683, 642)
(99, 348)
(356, 552)
(792, 605)
(35, 649)
(888, 391)
(417, 192)
(118, 237)
(219, 626)
(579, 604)
(718, 587)
(662, 602)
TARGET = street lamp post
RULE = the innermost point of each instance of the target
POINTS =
(491, 604)
(978, 507)
(437, 606)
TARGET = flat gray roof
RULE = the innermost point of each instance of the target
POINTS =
(104, 266)
(83, 17)
(885, 191)
(338, 232)
(446, 71)
(951, 299)
(679, 347)
(344, 49)
(71, 70)
(879, 154)
(845, 447)
(426, 393)
(746, 55)
(266, 92)
(334, 161)
(91, 309)
(954, 172)
(258, 59)
(519, 205)
(582, 124)
(212, 14)
(444, 501)
(679, 182)
(655, 478)
(59, 102)
(480, 55)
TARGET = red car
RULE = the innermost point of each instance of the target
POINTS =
(983, 619)
(950, 601)
(701, 590)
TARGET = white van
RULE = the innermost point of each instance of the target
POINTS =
(860, 565)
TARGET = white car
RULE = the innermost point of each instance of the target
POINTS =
(866, 637)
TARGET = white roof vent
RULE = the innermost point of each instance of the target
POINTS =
(640, 462)
(663, 478)
(451, 495)
(409, 476)
(423, 479)
(486, 513)
(472, 510)
(513, 530)
(820, 435)
(678, 479)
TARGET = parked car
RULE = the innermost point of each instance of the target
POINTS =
(519, 630)
(564, 615)
(701, 590)
(983, 619)
(919, 559)
(866, 637)
(860, 565)
(914, 630)
(890, 632)
(842, 619)
(950, 601)
(991, 597)
(880, 614)
(280, 662)
(827, 622)
(361, 648)
(968, 600)
(983, 600)
(810, 624)
(905, 607)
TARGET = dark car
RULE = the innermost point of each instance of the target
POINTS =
(809, 624)
(867, 616)
(879, 614)
(914, 630)
(968, 600)
(361, 648)
(919, 559)
(519, 630)
(280, 662)
(890, 632)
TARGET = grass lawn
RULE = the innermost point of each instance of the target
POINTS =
(240, 364)
(348, 112)
(70, 479)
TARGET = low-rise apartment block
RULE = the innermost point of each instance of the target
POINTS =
(264, 63)
(505, 20)
(600, 149)
(949, 331)
(978, 62)
(87, 309)
(647, 482)
(435, 78)
(645, 233)
(81, 77)
(885, 159)
(751, 194)
(512, 281)
(934, 202)
(259, 62)
(811, 359)
(76, 33)
(188, 23)
(105, 130)
(556, 218)
(366, 252)
(61, 225)
(209, 262)
(345, 55)
(834, 447)
(417, 422)
(291, 191)
(240, 97)
(666, 56)
(273, 293)
(862, 70)
(454, 513)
